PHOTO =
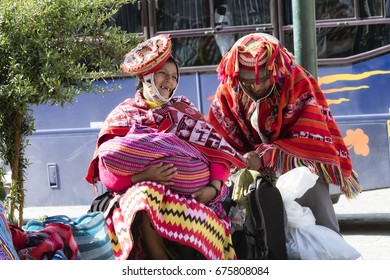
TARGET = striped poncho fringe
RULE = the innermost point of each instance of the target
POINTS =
(283, 161)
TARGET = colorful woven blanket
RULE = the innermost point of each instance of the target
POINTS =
(54, 242)
(174, 217)
(142, 147)
(179, 117)
(7, 249)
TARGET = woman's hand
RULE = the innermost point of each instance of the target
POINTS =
(159, 172)
(255, 162)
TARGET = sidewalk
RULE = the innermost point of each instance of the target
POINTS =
(365, 223)
(38, 212)
(370, 207)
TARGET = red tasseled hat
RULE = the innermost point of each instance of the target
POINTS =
(258, 52)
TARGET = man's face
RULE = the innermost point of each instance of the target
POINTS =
(248, 83)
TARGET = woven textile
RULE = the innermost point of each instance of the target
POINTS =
(136, 151)
(89, 232)
(180, 117)
(7, 250)
(295, 124)
(53, 242)
(174, 217)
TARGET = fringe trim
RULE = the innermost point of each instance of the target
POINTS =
(283, 162)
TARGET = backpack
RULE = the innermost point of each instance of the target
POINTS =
(258, 218)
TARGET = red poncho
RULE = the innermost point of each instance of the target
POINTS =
(296, 125)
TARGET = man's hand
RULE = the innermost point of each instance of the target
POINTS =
(255, 162)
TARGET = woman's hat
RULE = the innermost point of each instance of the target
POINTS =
(148, 56)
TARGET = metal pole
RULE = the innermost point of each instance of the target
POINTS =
(305, 40)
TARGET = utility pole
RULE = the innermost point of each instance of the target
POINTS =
(305, 39)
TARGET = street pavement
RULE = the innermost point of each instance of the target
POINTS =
(365, 223)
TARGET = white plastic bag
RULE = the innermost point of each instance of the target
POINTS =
(304, 239)
(318, 243)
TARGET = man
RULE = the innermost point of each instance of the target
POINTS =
(272, 110)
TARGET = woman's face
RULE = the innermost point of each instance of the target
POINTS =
(166, 79)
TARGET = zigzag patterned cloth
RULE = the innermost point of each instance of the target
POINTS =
(174, 217)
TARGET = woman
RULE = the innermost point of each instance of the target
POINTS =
(165, 163)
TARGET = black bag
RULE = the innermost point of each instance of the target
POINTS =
(262, 234)
(102, 202)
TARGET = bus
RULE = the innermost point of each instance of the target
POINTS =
(353, 48)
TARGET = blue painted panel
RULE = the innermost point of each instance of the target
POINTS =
(71, 152)
(188, 87)
(373, 168)
(208, 85)
(365, 85)
(87, 107)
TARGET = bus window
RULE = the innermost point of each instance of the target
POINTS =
(372, 8)
(202, 31)
(369, 37)
(343, 9)
(337, 42)
(235, 14)
(129, 19)
(344, 27)
(325, 10)
(195, 51)
(336, 9)
(223, 17)
(387, 9)
(249, 12)
(182, 15)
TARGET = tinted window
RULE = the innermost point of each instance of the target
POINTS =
(182, 14)
(128, 18)
(337, 42)
(334, 9)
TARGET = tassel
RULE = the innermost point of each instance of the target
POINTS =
(283, 162)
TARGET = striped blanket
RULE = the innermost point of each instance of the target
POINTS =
(174, 217)
(142, 147)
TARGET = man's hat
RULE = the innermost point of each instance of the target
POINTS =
(257, 52)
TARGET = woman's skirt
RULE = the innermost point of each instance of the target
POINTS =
(175, 217)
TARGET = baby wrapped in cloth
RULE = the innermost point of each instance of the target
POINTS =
(144, 146)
